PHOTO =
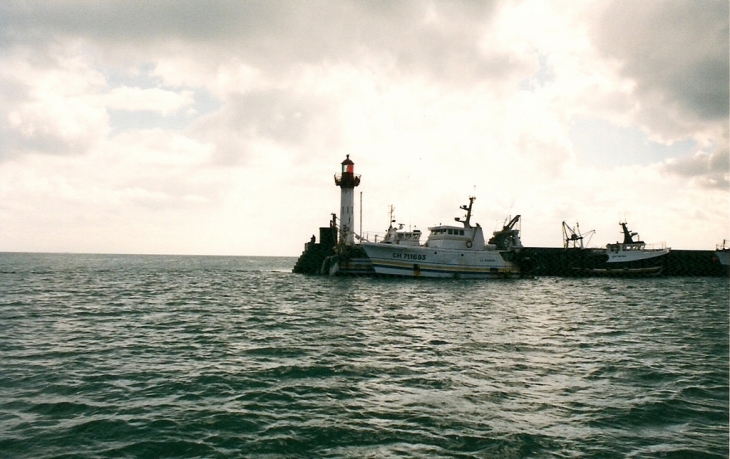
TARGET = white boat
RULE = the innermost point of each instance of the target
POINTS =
(452, 252)
(633, 257)
(398, 236)
(633, 251)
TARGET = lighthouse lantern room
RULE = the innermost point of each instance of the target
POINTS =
(347, 181)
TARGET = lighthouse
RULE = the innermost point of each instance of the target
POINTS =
(347, 181)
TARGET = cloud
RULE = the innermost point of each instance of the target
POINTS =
(186, 124)
(709, 168)
(438, 39)
(677, 54)
(279, 116)
(152, 99)
(48, 104)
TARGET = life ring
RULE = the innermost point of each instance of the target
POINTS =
(468, 244)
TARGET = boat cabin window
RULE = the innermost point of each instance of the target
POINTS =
(452, 231)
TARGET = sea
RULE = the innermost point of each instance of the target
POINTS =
(145, 356)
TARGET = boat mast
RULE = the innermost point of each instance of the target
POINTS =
(466, 219)
(628, 235)
(572, 237)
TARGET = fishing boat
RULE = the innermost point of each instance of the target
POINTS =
(634, 254)
(399, 236)
(631, 257)
(453, 252)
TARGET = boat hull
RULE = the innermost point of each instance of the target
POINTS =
(592, 262)
(643, 258)
(622, 272)
(394, 260)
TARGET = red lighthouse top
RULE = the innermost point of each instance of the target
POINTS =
(348, 166)
(347, 179)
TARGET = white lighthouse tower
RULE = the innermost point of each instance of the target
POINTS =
(347, 181)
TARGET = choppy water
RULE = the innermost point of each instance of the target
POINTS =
(151, 356)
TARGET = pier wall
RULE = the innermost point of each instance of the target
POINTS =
(554, 261)
(311, 259)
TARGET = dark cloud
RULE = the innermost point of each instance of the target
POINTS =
(677, 53)
(13, 144)
(134, 20)
(273, 115)
(709, 170)
(440, 38)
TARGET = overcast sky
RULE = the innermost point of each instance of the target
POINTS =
(215, 127)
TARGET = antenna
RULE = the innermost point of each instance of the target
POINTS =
(361, 213)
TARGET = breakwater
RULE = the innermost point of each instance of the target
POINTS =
(554, 261)
(546, 261)
(314, 254)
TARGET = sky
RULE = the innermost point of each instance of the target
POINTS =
(215, 127)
